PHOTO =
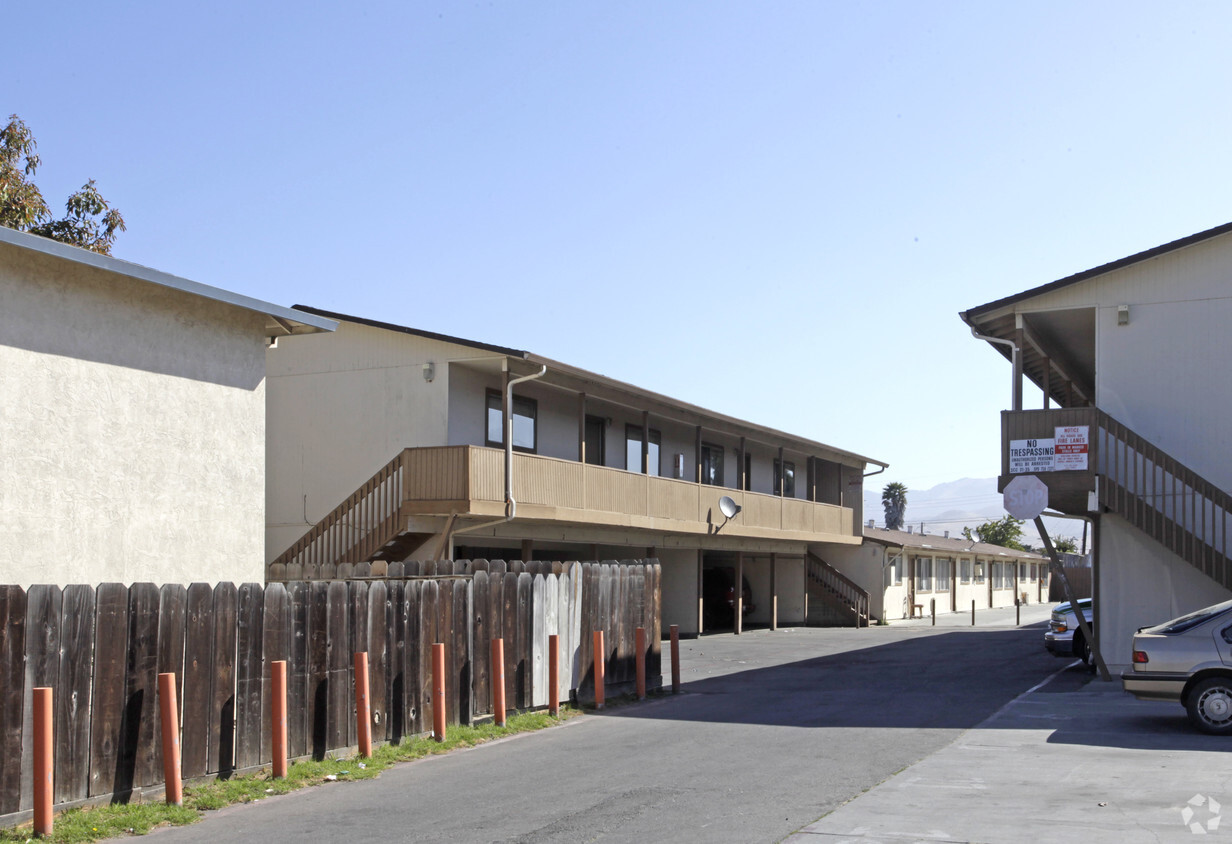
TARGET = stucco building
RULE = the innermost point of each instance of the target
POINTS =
(387, 442)
(1132, 432)
(132, 428)
(907, 574)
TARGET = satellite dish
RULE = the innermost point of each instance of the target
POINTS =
(728, 507)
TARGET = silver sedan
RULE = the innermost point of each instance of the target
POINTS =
(1189, 660)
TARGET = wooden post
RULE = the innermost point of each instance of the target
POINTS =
(363, 708)
(675, 632)
(169, 712)
(438, 691)
(498, 681)
(700, 592)
(528, 550)
(554, 674)
(278, 716)
(1017, 612)
(739, 592)
(639, 660)
(44, 756)
(599, 659)
(774, 594)
(932, 607)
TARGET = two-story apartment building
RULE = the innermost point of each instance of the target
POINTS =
(1132, 360)
(388, 442)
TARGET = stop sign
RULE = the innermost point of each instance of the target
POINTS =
(1025, 497)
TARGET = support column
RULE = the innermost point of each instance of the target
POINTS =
(700, 593)
(774, 593)
(581, 428)
(1019, 339)
(739, 593)
(528, 550)
(740, 464)
(645, 442)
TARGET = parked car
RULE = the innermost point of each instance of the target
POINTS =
(719, 597)
(1064, 636)
(1189, 660)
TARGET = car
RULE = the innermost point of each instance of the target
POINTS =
(719, 597)
(1064, 636)
(1188, 660)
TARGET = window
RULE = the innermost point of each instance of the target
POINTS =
(964, 571)
(896, 573)
(943, 575)
(923, 574)
(633, 450)
(596, 433)
(712, 464)
(524, 429)
(787, 473)
(979, 571)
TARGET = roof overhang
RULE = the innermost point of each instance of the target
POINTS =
(279, 321)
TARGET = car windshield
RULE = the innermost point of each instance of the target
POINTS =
(1193, 619)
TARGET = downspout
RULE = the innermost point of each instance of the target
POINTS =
(511, 506)
(1016, 355)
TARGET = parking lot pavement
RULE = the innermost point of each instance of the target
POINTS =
(1074, 759)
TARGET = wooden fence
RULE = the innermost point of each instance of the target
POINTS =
(101, 650)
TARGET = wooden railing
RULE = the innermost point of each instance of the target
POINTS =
(840, 588)
(1143, 484)
(357, 528)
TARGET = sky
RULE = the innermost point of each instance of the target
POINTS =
(772, 210)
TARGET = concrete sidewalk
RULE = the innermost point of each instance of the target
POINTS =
(1075, 759)
(998, 617)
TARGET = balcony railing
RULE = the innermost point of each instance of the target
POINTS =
(470, 481)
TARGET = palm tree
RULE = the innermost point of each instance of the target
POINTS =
(894, 499)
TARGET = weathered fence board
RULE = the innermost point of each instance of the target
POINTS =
(377, 632)
(338, 657)
(198, 678)
(481, 650)
(42, 669)
(72, 692)
(107, 694)
(221, 715)
(299, 697)
(249, 665)
(427, 636)
(538, 643)
(13, 603)
(275, 645)
(140, 748)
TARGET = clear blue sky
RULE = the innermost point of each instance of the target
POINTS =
(774, 210)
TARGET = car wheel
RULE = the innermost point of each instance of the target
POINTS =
(1081, 649)
(1210, 706)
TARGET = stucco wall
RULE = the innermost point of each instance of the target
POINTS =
(1140, 583)
(679, 589)
(133, 429)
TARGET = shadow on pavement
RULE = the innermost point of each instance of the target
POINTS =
(951, 680)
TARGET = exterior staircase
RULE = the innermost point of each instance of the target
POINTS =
(1150, 489)
(367, 527)
(843, 601)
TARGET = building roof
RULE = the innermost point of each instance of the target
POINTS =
(969, 315)
(280, 321)
(943, 544)
(603, 387)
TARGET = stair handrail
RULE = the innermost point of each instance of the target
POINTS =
(856, 595)
(358, 527)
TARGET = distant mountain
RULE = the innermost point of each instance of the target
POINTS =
(967, 502)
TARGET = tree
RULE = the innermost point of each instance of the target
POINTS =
(894, 500)
(89, 222)
(1065, 545)
(1005, 532)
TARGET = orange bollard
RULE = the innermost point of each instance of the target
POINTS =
(498, 681)
(438, 691)
(675, 628)
(363, 709)
(599, 659)
(278, 716)
(554, 674)
(169, 712)
(639, 660)
(44, 773)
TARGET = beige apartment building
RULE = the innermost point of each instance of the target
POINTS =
(910, 574)
(132, 426)
(388, 442)
(1132, 433)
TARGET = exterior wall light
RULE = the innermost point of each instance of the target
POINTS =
(429, 371)
(1122, 314)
